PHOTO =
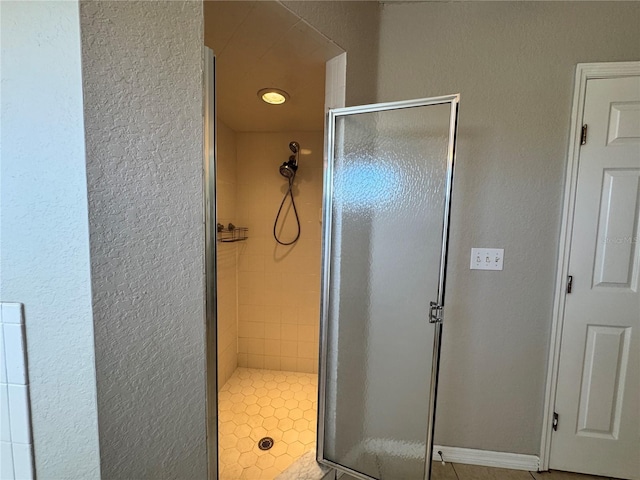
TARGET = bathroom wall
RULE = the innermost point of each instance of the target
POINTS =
(45, 229)
(227, 273)
(142, 83)
(354, 26)
(513, 64)
(278, 286)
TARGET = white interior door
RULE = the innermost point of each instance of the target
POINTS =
(598, 390)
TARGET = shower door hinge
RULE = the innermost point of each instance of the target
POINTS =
(554, 424)
(583, 135)
(435, 312)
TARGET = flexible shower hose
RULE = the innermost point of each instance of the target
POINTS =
(295, 211)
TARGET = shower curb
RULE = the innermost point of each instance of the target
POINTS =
(307, 468)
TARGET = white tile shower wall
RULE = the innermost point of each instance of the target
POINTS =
(16, 449)
(279, 286)
(227, 280)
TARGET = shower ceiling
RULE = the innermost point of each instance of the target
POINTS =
(259, 45)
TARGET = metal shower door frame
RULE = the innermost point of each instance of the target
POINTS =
(332, 115)
(210, 155)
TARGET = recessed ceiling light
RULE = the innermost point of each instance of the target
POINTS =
(273, 96)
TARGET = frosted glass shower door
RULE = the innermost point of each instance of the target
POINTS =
(388, 183)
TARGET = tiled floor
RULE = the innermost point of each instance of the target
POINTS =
(459, 471)
(258, 403)
(264, 403)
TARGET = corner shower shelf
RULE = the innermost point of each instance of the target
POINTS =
(231, 233)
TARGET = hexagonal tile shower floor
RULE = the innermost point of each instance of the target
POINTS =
(254, 404)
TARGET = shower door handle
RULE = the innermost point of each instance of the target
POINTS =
(435, 312)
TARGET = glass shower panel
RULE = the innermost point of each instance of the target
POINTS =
(388, 189)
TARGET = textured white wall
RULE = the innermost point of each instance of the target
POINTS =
(142, 72)
(354, 26)
(44, 229)
(513, 63)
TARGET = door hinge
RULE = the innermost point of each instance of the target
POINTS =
(435, 312)
(569, 283)
(555, 421)
(583, 136)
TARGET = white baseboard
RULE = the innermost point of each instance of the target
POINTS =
(470, 456)
(486, 458)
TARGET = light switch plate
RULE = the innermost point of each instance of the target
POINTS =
(487, 258)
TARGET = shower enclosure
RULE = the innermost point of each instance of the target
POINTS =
(387, 189)
(388, 184)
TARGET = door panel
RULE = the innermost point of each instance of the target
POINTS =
(624, 123)
(603, 379)
(615, 264)
(388, 187)
(598, 391)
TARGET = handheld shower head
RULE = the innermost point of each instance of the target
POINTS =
(288, 169)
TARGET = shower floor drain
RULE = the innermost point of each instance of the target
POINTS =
(265, 443)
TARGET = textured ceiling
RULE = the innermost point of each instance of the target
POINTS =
(259, 45)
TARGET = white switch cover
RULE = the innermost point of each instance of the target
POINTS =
(487, 258)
